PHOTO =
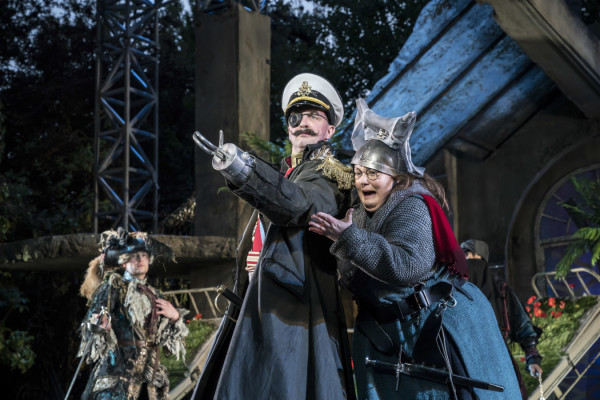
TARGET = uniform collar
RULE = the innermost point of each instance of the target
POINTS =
(309, 151)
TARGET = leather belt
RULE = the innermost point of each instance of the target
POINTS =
(422, 298)
(369, 319)
(136, 343)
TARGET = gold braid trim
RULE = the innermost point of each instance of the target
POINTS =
(308, 98)
(335, 170)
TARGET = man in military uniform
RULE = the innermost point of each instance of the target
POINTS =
(290, 338)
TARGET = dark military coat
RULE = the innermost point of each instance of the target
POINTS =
(290, 340)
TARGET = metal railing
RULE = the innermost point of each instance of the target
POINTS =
(554, 284)
(580, 354)
(178, 295)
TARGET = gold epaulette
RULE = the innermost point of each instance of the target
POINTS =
(335, 170)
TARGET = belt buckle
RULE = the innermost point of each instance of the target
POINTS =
(419, 300)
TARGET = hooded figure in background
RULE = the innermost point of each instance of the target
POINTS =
(290, 339)
(128, 322)
(514, 323)
(399, 257)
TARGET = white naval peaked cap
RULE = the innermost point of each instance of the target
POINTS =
(313, 90)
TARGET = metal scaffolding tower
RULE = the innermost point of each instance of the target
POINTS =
(126, 115)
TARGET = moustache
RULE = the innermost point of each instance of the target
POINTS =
(305, 131)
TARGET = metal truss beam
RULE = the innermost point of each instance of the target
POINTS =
(126, 115)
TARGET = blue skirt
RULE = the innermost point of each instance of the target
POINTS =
(472, 329)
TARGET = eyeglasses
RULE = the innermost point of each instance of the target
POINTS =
(295, 119)
(372, 174)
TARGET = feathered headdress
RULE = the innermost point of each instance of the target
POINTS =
(113, 244)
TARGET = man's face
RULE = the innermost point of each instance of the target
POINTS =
(313, 128)
(138, 264)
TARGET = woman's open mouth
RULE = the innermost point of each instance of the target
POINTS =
(369, 193)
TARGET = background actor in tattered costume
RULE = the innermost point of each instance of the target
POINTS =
(290, 340)
(129, 322)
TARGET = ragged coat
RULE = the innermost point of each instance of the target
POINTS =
(126, 357)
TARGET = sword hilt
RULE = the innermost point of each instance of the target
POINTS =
(97, 327)
(229, 295)
(380, 364)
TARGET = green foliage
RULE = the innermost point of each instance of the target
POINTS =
(15, 345)
(15, 349)
(586, 238)
(560, 319)
(265, 149)
(176, 107)
(351, 43)
(47, 85)
(199, 332)
(46, 64)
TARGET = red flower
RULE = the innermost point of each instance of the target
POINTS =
(552, 302)
(561, 304)
(523, 359)
(197, 316)
(571, 285)
(544, 315)
(537, 312)
(537, 304)
(530, 300)
(527, 308)
(556, 314)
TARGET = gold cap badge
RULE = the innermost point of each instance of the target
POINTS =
(304, 89)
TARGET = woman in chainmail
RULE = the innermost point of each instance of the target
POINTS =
(399, 257)
(129, 322)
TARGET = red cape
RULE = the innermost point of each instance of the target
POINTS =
(447, 249)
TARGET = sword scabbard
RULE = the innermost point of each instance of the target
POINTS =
(431, 374)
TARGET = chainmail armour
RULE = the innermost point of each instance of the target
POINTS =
(395, 246)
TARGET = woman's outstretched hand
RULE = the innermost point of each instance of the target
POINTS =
(326, 225)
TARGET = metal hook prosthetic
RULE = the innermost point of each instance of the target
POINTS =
(232, 162)
(208, 147)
